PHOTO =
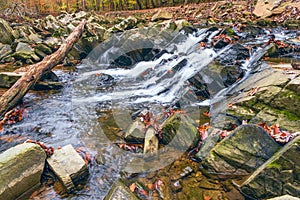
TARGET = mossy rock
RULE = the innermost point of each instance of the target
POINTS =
(241, 153)
(278, 176)
(180, 132)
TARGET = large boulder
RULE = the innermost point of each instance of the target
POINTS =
(6, 32)
(180, 132)
(21, 168)
(278, 176)
(241, 153)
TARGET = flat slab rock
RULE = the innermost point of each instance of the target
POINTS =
(21, 168)
(278, 176)
(68, 166)
(285, 197)
(119, 191)
(240, 153)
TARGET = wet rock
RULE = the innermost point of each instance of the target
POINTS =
(234, 55)
(231, 74)
(136, 132)
(209, 143)
(179, 131)
(161, 15)
(120, 191)
(151, 141)
(278, 176)
(69, 167)
(239, 154)
(21, 168)
(6, 32)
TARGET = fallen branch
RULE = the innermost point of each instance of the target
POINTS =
(12, 96)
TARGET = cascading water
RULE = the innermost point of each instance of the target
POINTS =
(156, 75)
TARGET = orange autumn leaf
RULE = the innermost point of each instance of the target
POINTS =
(253, 91)
(206, 197)
(132, 187)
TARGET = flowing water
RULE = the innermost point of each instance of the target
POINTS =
(132, 73)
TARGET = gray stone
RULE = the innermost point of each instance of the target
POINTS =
(278, 176)
(5, 50)
(44, 48)
(23, 47)
(136, 132)
(69, 167)
(119, 191)
(21, 168)
(161, 15)
(151, 141)
(6, 32)
(179, 131)
(209, 143)
(240, 153)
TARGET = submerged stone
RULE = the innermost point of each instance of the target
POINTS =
(68, 166)
(180, 132)
(278, 176)
(247, 148)
(119, 191)
(21, 168)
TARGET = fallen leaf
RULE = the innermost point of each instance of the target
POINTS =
(132, 187)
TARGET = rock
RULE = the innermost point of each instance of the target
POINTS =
(51, 24)
(287, 100)
(119, 191)
(235, 54)
(209, 143)
(136, 132)
(80, 15)
(294, 85)
(161, 15)
(231, 74)
(43, 48)
(69, 167)
(23, 47)
(278, 176)
(264, 8)
(239, 154)
(285, 197)
(127, 24)
(21, 168)
(5, 50)
(151, 141)
(6, 32)
(179, 131)
(7, 79)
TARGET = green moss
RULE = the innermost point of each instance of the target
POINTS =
(287, 114)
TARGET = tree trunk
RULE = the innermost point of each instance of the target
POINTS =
(12, 96)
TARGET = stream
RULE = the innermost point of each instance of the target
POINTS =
(132, 73)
